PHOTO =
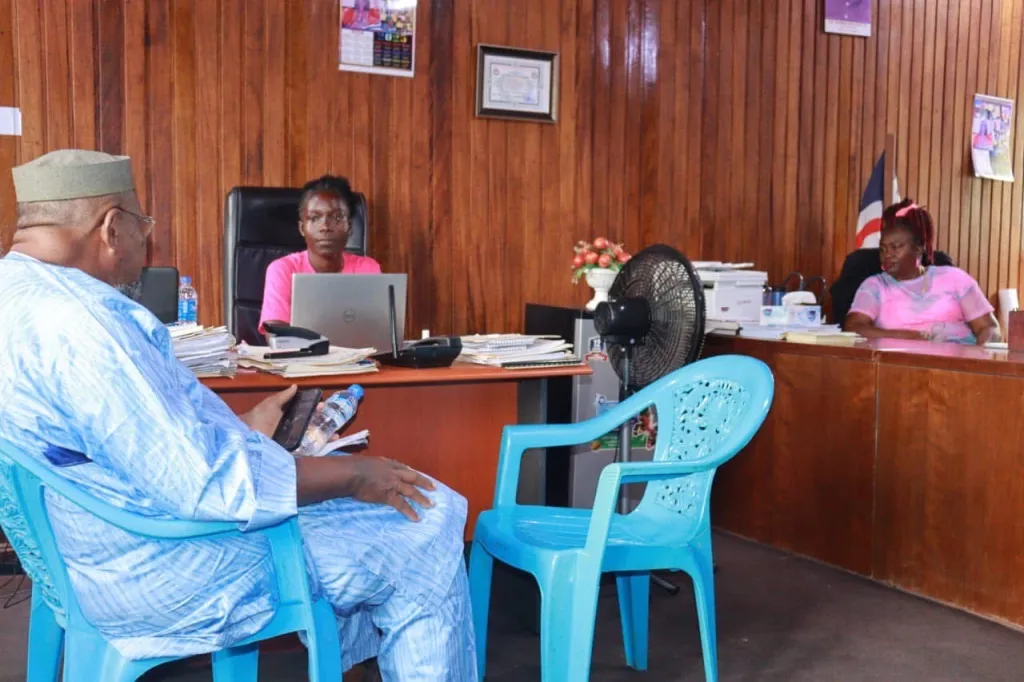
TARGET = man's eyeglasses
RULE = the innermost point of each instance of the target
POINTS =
(337, 218)
(147, 221)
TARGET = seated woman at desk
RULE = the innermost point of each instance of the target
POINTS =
(325, 209)
(914, 299)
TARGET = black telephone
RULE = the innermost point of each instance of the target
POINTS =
(295, 419)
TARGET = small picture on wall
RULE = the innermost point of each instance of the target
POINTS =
(991, 138)
(517, 84)
(848, 17)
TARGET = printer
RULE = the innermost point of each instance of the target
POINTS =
(732, 293)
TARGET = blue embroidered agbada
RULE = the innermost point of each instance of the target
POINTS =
(89, 383)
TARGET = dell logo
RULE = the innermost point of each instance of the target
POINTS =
(349, 316)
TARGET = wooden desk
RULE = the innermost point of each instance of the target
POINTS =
(898, 460)
(444, 422)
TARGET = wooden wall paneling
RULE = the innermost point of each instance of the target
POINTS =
(939, 525)
(110, 65)
(254, 98)
(977, 71)
(711, 122)
(550, 231)
(983, 191)
(82, 58)
(851, 99)
(30, 77)
(275, 120)
(1008, 83)
(819, 250)
(610, 214)
(785, 109)
(183, 154)
(926, 15)
(574, 109)
(693, 179)
(160, 175)
(735, 130)
(958, 155)
(56, 70)
(423, 252)
(521, 171)
(1015, 254)
(442, 120)
(296, 93)
(942, 126)
(136, 113)
(659, 82)
(321, 86)
(809, 128)
(209, 206)
(763, 86)
(8, 143)
(628, 189)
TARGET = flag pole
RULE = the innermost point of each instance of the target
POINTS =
(889, 169)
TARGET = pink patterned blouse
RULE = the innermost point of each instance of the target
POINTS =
(940, 303)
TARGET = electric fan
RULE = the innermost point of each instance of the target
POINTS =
(651, 325)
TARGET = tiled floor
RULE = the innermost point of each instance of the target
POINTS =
(781, 619)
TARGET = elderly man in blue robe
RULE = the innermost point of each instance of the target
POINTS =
(91, 386)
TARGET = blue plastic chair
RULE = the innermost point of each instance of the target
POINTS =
(56, 622)
(706, 413)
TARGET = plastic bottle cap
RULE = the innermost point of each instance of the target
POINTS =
(185, 279)
(356, 390)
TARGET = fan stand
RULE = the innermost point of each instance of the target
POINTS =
(626, 452)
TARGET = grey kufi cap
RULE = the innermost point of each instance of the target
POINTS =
(72, 174)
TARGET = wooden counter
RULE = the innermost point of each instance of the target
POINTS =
(445, 422)
(899, 460)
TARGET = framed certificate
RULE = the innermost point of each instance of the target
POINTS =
(516, 84)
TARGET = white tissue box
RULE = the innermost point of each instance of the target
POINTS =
(794, 315)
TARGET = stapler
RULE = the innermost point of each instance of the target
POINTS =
(287, 341)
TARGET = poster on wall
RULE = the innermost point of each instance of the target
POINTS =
(991, 133)
(848, 17)
(377, 36)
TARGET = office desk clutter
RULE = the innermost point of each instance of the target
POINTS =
(207, 351)
(740, 302)
(517, 351)
(337, 361)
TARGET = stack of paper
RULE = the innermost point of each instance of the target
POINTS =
(777, 332)
(502, 350)
(337, 361)
(207, 351)
(721, 327)
(828, 337)
(360, 438)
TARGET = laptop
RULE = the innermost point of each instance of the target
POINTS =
(352, 311)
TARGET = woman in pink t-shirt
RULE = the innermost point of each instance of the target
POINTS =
(325, 210)
(913, 299)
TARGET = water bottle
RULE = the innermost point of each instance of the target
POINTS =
(188, 302)
(336, 412)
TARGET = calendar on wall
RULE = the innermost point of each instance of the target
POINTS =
(378, 36)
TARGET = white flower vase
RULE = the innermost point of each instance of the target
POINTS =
(600, 280)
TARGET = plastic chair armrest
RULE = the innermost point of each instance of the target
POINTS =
(516, 440)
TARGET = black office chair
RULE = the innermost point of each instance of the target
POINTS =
(858, 266)
(260, 226)
(159, 293)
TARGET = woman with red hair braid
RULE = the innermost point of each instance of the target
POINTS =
(914, 299)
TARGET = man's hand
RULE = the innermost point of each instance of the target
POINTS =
(365, 478)
(385, 481)
(266, 415)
